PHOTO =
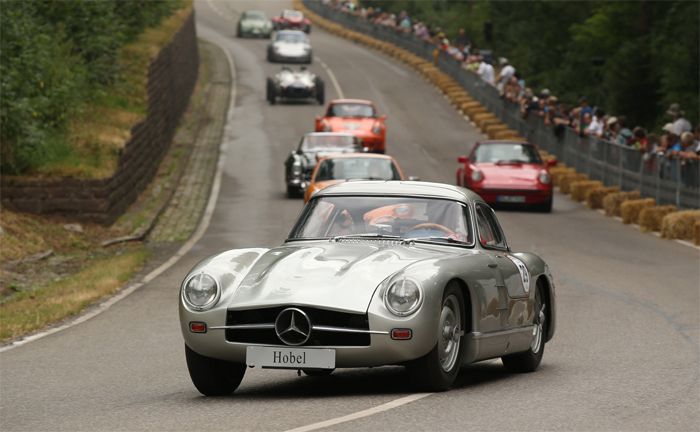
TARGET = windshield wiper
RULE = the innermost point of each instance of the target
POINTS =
(366, 235)
(433, 239)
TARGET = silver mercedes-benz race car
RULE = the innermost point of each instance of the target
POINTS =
(295, 85)
(372, 273)
(312, 146)
(290, 46)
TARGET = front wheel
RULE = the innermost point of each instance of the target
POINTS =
(529, 360)
(271, 95)
(437, 370)
(320, 91)
(545, 207)
(213, 377)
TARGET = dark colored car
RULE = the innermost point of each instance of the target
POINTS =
(301, 162)
(295, 85)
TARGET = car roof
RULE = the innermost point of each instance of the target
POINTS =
(402, 187)
(356, 101)
(505, 141)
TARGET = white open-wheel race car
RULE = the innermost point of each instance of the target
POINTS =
(301, 84)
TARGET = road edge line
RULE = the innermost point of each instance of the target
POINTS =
(201, 228)
(331, 75)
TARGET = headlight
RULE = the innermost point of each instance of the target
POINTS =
(327, 127)
(403, 297)
(477, 176)
(377, 128)
(544, 177)
(201, 292)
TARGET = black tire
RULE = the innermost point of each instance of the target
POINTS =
(320, 91)
(427, 372)
(317, 372)
(529, 360)
(270, 55)
(310, 59)
(239, 33)
(271, 93)
(293, 192)
(213, 377)
(546, 207)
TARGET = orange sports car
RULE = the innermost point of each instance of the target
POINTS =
(342, 167)
(358, 117)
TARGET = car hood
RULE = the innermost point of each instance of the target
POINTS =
(351, 125)
(339, 275)
(290, 47)
(509, 175)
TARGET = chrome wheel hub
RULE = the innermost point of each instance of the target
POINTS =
(538, 323)
(450, 333)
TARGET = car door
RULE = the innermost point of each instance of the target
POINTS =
(512, 273)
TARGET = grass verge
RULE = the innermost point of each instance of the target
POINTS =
(29, 311)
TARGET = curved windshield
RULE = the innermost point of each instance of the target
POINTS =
(255, 15)
(361, 168)
(351, 110)
(292, 14)
(418, 219)
(316, 143)
(506, 153)
(296, 37)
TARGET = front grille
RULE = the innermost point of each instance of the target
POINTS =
(296, 92)
(318, 317)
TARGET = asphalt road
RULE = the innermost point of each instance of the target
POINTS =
(625, 356)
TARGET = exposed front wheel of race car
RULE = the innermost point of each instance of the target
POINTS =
(271, 92)
(320, 91)
(270, 55)
(437, 370)
(529, 360)
(310, 59)
(213, 377)
(294, 192)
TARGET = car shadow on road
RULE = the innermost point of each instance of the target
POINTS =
(387, 380)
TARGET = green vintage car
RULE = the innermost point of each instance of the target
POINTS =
(254, 23)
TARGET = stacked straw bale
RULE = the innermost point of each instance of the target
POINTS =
(650, 217)
(594, 197)
(629, 210)
(566, 180)
(613, 201)
(579, 189)
(680, 225)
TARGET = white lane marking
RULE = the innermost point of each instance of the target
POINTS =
(184, 249)
(360, 414)
(330, 73)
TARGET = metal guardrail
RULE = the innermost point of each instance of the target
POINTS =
(668, 180)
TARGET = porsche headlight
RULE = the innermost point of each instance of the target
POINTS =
(201, 292)
(544, 177)
(477, 176)
(403, 297)
(377, 128)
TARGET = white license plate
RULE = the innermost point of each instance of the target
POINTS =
(510, 198)
(290, 358)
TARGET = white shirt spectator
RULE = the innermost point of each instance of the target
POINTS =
(681, 125)
(486, 72)
(596, 127)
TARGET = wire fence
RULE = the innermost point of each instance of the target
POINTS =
(669, 180)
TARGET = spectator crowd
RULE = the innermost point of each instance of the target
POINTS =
(677, 138)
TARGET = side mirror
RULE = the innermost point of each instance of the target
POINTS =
(552, 162)
(463, 159)
(413, 178)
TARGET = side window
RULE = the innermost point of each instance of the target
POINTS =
(490, 234)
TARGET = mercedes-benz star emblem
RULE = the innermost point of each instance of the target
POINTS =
(293, 326)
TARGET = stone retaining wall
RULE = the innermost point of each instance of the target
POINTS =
(171, 78)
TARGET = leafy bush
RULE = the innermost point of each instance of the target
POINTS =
(55, 57)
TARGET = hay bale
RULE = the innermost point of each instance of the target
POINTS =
(594, 197)
(558, 172)
(485, 123)
(680, 225)
(697, 234)
(650, 217)
(579, 189)
(629, 210)
(566, 180)
(612, 202)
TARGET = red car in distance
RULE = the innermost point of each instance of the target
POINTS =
(358, 117)
(291, 19)
(507, 172)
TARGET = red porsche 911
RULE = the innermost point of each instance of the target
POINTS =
(508, 173)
